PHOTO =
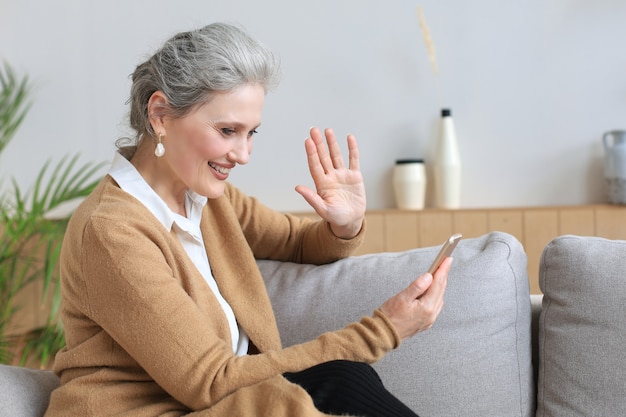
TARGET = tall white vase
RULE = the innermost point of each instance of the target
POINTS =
(447, 166)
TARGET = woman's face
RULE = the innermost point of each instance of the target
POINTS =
(202, 147)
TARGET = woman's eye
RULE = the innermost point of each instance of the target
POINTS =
(252, 133)
(227, 131)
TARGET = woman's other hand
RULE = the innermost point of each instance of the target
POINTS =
(339, 197)
(416, 308)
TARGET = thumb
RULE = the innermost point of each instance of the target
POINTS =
(311, 197)
(419, 286)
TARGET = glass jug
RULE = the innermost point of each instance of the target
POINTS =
(614, 143)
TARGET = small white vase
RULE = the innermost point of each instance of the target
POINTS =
(409, 183)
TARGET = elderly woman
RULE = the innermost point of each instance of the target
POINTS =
(165, 311)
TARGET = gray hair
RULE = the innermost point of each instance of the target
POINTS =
(191, 66)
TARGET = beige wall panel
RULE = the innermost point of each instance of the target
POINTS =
(535, 227)
(435, 227)
(401, 230)
(470, 223)
(540, 227)
(508, 221)
(577, 221)
(611, 222)
(307, 214)
(375, 240)
(26, 316)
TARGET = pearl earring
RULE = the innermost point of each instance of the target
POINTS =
(159, 151)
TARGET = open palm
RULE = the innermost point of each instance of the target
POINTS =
(339, 195)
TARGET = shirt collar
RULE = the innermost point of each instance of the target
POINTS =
(131, 181)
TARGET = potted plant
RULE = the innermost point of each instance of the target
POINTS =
(30, 239)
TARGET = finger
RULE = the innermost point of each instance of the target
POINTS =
(311, 197)
(419, 286)
(353, 154)
(315, 166)
(443, 269)
(333, 147)
(322, 153)
(440, 281)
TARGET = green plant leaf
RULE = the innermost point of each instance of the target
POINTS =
(30, 241)
(66, 182)
(14, 103)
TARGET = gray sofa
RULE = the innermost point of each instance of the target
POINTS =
(477, 360)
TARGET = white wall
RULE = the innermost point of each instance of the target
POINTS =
(532, 85)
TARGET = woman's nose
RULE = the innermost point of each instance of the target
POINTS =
(240, 153)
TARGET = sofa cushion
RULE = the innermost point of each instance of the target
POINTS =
(475, 360)
(582, 328)
(25, 392)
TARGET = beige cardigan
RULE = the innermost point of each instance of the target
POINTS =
(145, 335)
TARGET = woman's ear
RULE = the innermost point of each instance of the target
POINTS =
(156, 111)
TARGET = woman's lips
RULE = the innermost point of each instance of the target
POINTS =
(220, 171)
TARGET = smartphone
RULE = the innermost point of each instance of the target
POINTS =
(446, 250)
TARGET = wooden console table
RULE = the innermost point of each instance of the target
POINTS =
(398, 230)
(535, 227)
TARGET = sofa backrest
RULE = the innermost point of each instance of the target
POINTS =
(475, 360)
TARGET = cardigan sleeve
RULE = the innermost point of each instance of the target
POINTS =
(285, 237)
(133, 291)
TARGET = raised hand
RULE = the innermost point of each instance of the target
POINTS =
(339, 195)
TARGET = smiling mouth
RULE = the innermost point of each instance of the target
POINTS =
(221, 170)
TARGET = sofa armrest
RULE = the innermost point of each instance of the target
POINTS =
(582, 331)
(25, 392)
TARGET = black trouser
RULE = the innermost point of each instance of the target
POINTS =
(344, 387)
